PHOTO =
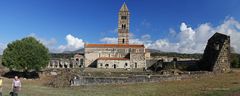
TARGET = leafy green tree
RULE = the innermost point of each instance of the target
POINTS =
(25, 55)
(235, 62)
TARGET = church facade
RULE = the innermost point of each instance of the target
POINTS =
(121, 55)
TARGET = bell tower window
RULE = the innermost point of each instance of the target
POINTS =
(123, 26)
(123, 41)
(124, 17)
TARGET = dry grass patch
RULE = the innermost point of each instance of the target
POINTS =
(218, 85)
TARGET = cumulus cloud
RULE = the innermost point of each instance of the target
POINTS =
(73, 43)
(172, 32)
(191, 40)
(231, 27)
(188, 39)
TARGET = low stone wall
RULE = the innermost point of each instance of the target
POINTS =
(86, 80)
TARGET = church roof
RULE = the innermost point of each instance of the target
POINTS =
(113, 45)
(124, 7)
(112, 58)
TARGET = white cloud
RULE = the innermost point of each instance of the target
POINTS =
(2, 47)
(232, 28)
(49, 43)
(114, 31)
(110, 40)
(135, 41)
(172, 32)
(189, 40)
(73, 43)
(145, 39)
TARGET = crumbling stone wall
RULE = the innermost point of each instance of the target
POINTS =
(63, 77)
(216, 56)
(88, 80)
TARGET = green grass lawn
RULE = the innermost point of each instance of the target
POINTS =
(219, 85)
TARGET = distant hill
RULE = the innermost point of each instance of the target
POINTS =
(76, 51)
(154, 51)
(182, 55)
(66, 54)
(61, 55)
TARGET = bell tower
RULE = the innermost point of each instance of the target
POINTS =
(123, 25)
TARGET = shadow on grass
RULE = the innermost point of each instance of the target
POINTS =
(28, 75)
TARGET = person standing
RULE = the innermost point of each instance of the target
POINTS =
(1, 82)
(16, 86)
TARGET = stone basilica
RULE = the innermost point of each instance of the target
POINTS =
(121, 55)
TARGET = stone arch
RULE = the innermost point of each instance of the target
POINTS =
(106, 65)
(71, 65)
(60, 66)
(135, 65)
(65, 66)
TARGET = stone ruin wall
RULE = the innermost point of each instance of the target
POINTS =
(216, 56)
(223, 60)
(76, 62)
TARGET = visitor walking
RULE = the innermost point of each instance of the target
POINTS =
(1, 81)
(16, 86)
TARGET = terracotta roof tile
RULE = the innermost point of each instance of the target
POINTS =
(114, 45)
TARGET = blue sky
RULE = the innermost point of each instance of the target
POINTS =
(63, 24)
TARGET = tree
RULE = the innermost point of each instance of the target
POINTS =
(25, 55)
(235, 62)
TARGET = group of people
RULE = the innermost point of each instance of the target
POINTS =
(16, 86)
